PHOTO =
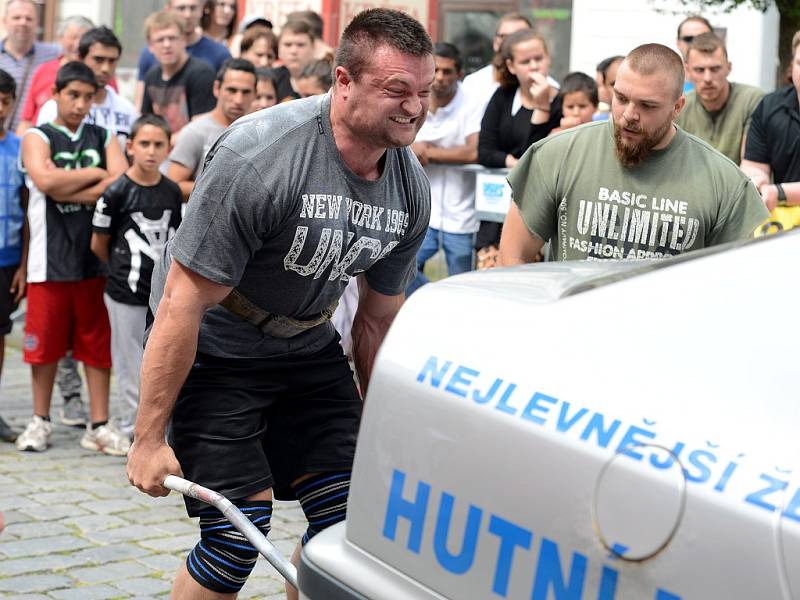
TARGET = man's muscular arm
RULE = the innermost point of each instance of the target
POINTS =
(374, 316)
(167, 360)
(517, 244)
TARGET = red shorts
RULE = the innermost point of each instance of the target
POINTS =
(63, 315)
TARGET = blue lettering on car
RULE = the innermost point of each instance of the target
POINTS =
(702, 466)
(558, 573)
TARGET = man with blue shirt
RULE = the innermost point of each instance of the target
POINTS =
(197, 45)
(13, 232)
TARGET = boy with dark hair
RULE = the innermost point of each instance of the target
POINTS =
(68, 165)
(99, 49)
(578, 101)
(132, 221)
(13, 231)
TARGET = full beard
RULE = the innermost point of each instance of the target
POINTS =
(631, 155)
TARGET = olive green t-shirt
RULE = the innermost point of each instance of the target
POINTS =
(725, 128)
(571, 190)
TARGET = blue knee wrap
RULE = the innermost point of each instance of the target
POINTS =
(323, 498)
(224, 559)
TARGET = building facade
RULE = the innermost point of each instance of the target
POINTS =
(580, 32)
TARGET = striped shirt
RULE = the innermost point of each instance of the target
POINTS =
(40, 53)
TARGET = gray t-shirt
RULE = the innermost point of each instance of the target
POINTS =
(279, 215)
(194, 142)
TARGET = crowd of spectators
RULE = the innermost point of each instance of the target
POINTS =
(102, 178)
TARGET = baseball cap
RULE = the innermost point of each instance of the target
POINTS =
(251, 20)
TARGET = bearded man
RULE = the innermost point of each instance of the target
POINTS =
(635, 186)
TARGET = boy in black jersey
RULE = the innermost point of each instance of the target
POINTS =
(68, 165)
(132, 221)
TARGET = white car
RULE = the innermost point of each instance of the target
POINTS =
(582, 431)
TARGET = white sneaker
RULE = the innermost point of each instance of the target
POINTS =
(36, 436)
(107, 439)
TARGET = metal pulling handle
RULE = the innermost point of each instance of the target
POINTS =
(239, 521)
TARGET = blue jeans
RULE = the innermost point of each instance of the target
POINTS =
(458, 251)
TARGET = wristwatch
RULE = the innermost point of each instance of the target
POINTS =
(781, 194)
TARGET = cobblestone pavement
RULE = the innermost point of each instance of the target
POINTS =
(77, 530)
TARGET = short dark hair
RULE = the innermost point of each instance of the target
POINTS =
(698, 18)
(267, 74)
(448, 50)
(505, 77)
(235, 64)
(604, 65)
(321, 70)
(651, 58)
(98, 35)
(375, 27)
(579, 82)
(74, 71)
(8, 85)
(150, 119)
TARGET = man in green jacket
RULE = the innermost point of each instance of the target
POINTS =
(717, 111)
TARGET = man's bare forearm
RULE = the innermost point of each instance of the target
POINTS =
(167, 360)
(374, 316)
(368, 336)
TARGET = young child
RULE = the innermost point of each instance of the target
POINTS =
(68, 165)
(13, 233)
(266, 90)
(578, 101)
(136, 215)
(315, 79)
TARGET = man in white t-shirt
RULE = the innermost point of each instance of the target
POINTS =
(448, 137)
(100, 50)
(481, 85)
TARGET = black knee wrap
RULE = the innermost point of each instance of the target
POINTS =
(223, 559)
(323, 498)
